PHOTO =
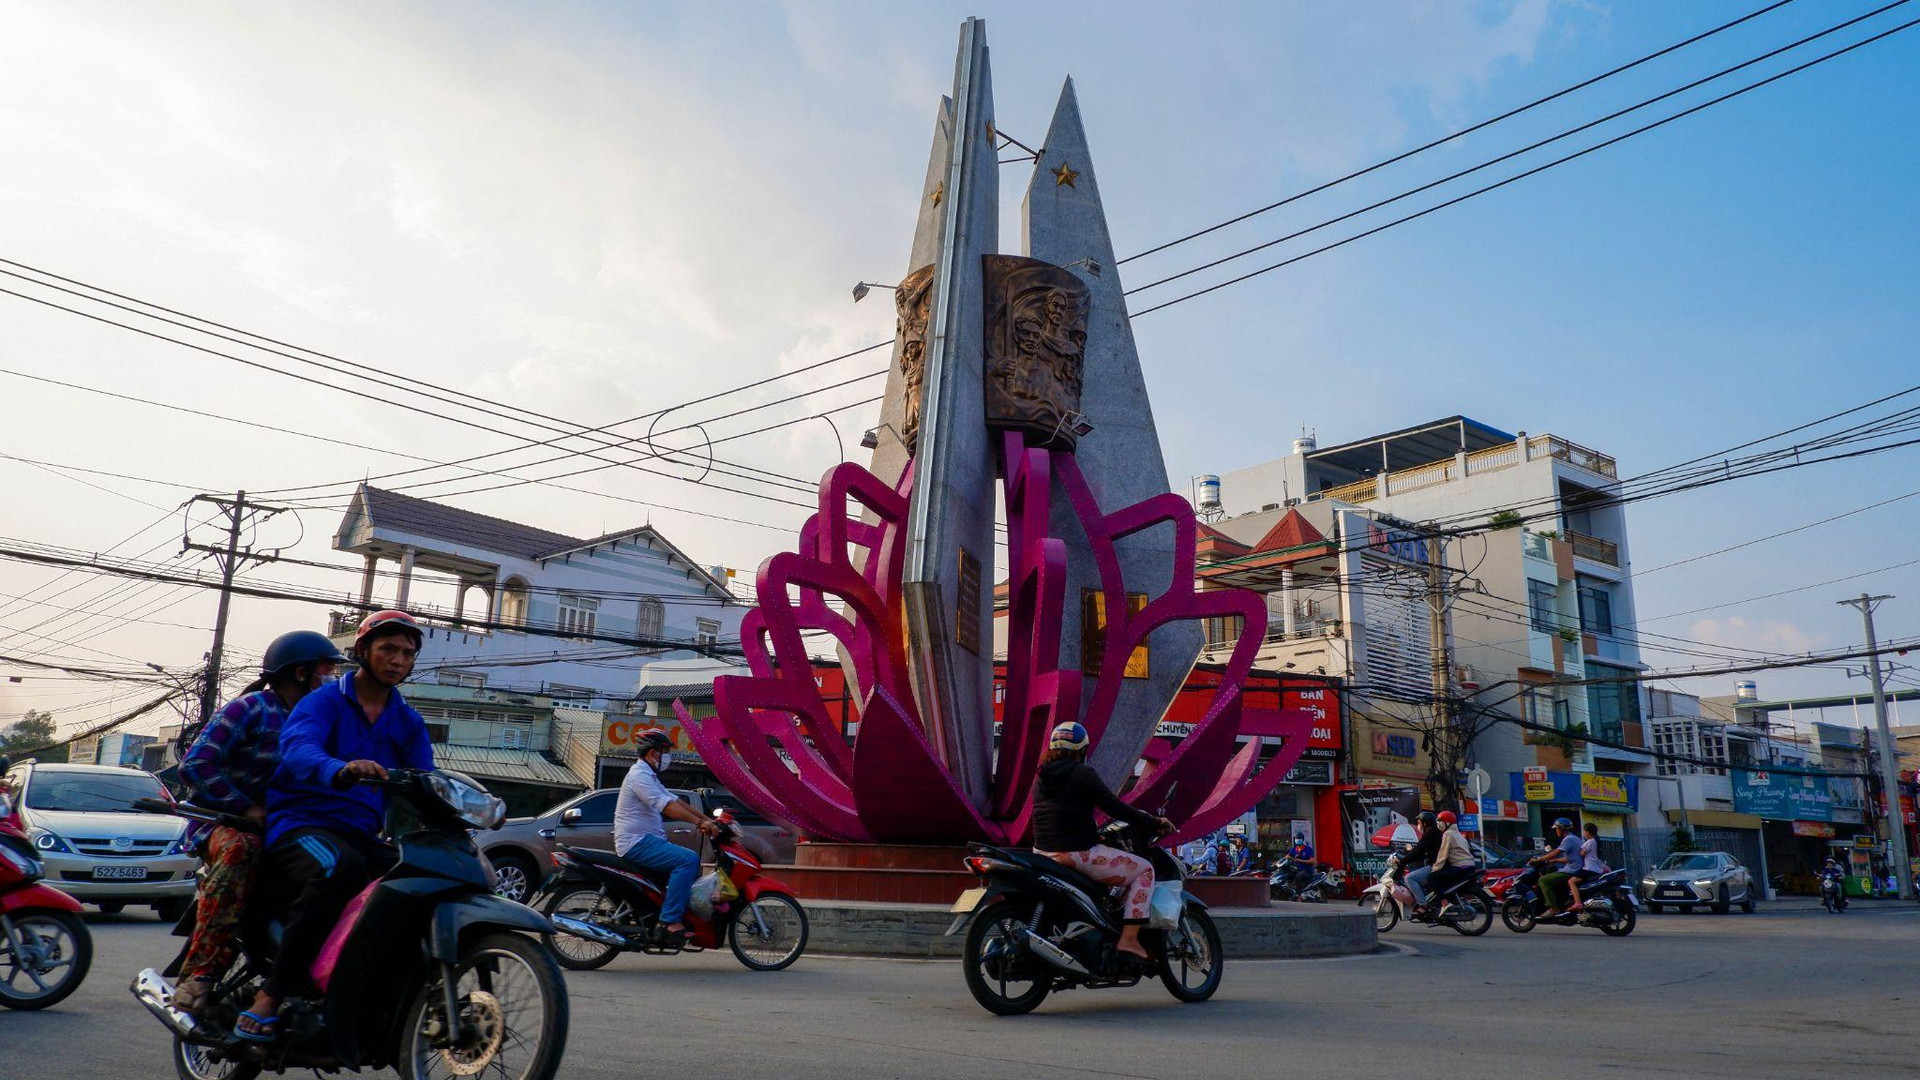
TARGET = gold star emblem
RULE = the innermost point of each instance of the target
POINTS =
(939, 192)
(1064, 176)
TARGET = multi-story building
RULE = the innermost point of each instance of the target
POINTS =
(1532, 620)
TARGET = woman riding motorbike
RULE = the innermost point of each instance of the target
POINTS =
(1065, 795)
(227, 769)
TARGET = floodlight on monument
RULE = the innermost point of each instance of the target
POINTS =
(861, 288)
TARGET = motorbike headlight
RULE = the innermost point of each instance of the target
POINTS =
(29, 867)
(470, 804)
(48, 840)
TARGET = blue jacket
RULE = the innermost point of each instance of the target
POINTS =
(325, 731)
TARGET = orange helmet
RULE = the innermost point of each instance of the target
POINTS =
(1446, 817)
(383, 623)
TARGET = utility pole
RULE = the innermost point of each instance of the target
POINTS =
(236, 510)
(1442, 665)
(1889, 763)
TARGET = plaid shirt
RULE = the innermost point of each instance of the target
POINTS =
(231, 762)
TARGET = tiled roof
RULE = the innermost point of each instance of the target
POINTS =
(1291, 531)
(494, 763)
(700, 691)
(392, 510)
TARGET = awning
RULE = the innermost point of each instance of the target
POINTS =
(496, 763)
(1715, 819)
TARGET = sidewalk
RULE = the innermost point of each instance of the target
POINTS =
(1812, 903)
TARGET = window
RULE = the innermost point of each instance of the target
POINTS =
(1614, 704)
(706, 631)
(455, 677)
(1596, 610)
(513, 602)
(1540, 606)
(653, 617)
(578, 614)
(597, 808)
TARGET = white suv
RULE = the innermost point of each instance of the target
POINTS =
(96, 847)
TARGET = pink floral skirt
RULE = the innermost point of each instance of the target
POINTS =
(1111, 866)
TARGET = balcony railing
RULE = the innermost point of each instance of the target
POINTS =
(1592, 547)
(1356, 492)
(1492, 459)
(1573, 454)
(1536, 545)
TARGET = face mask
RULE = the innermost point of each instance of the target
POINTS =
(666, 759)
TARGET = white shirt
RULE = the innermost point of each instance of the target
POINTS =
(637, 815)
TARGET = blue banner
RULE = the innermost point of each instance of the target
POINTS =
(1782, 796)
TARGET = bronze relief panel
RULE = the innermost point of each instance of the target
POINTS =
(1036, 339)
(913, 303)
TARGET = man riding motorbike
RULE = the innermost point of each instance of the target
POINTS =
(1065, 795)
(1453, 861)
(323, 831)
(1566, 854)
(640, 830)
(227, 769)
(1831, 872)
(1419, 858)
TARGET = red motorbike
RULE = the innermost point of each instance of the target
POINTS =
(602, 905)
(45, 949)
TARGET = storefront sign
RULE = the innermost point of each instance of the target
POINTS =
(618, 735)
(1534, 774)
(1399, 747)
(1310, 772)
(1368, 810)
(1498, 809)
(1396, 544)
(1866, 841)
(1540, 792)
(1601, 788)
(1819, 829)
(1782, 796)
(1470, 823)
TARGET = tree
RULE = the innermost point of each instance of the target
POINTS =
(35, 728)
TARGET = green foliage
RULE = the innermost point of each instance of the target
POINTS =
(34, 728)
(1505, 519)
(1682, 838)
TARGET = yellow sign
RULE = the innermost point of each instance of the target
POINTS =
(1540, 792)
(1606, 789)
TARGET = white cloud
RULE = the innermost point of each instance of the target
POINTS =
(1761, 635)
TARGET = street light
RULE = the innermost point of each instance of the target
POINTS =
(861, 288)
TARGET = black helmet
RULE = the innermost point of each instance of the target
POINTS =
(1426, 817)
(292, 649)
(653, 739)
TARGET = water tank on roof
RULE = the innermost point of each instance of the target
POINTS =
(1207, 498)
(1305, 444)
(1746, 690)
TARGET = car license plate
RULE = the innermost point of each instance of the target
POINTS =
(1674, 890)
(119, 873)
(968, 900)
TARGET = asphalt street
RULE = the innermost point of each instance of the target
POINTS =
(1790, 992)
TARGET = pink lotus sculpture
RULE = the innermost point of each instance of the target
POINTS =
(773, 742)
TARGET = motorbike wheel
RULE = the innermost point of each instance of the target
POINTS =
(514, 1003)
(66, 951)
(1201, 957)
(575, 953)
(1472, 912)
(770, 933)
(1623, 920)
(993, 963)
(1386, 913)
(1517, 916)
(191, 1061)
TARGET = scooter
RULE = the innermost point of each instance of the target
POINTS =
(1608, 905)
(1464, 906)
(1289, 881)
(1832, 896)
(427, 972)
(601, 905)
(1035, 926)
(45, 949)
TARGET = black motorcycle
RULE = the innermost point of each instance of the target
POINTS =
(1607, 904)
(1038, 926)
(1304, 884)
(436, 975)
(1832, 896)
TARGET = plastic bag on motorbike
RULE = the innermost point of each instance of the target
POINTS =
(1163, 910)
(725, 890)
(705, 891)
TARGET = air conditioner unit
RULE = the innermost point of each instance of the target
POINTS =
(1331, 630)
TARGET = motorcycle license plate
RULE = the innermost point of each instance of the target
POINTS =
(119, 873)
(968, 900)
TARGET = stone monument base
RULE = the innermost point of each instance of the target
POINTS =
(933, 874)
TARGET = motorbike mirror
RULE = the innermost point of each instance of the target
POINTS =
(571, 816)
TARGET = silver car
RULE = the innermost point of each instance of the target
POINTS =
(1687, 878)
(97, 848)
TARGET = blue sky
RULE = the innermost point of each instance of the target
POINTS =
(599, 209)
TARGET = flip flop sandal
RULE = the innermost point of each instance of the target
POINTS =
(267, 1022)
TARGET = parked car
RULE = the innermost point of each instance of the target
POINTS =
(1687, 878)
(96, 847)
(522, 849)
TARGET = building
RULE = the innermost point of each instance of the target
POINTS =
(1528, 626)
(116, 748)
(455, 567)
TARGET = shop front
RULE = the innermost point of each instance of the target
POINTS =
(1604, 800)
(1797, 826)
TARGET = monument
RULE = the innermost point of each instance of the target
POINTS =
(1015, 380)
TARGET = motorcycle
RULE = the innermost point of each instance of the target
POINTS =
(1291, 881)
(601, 905)
(1608, 905)
(1035, 926)
(1464, 906)
(45, 949)
(427, 972)
(1832, 896)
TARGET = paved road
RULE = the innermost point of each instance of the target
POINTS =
(1789, 993)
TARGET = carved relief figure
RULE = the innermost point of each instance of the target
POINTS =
(1036, 343)
(913, 301)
